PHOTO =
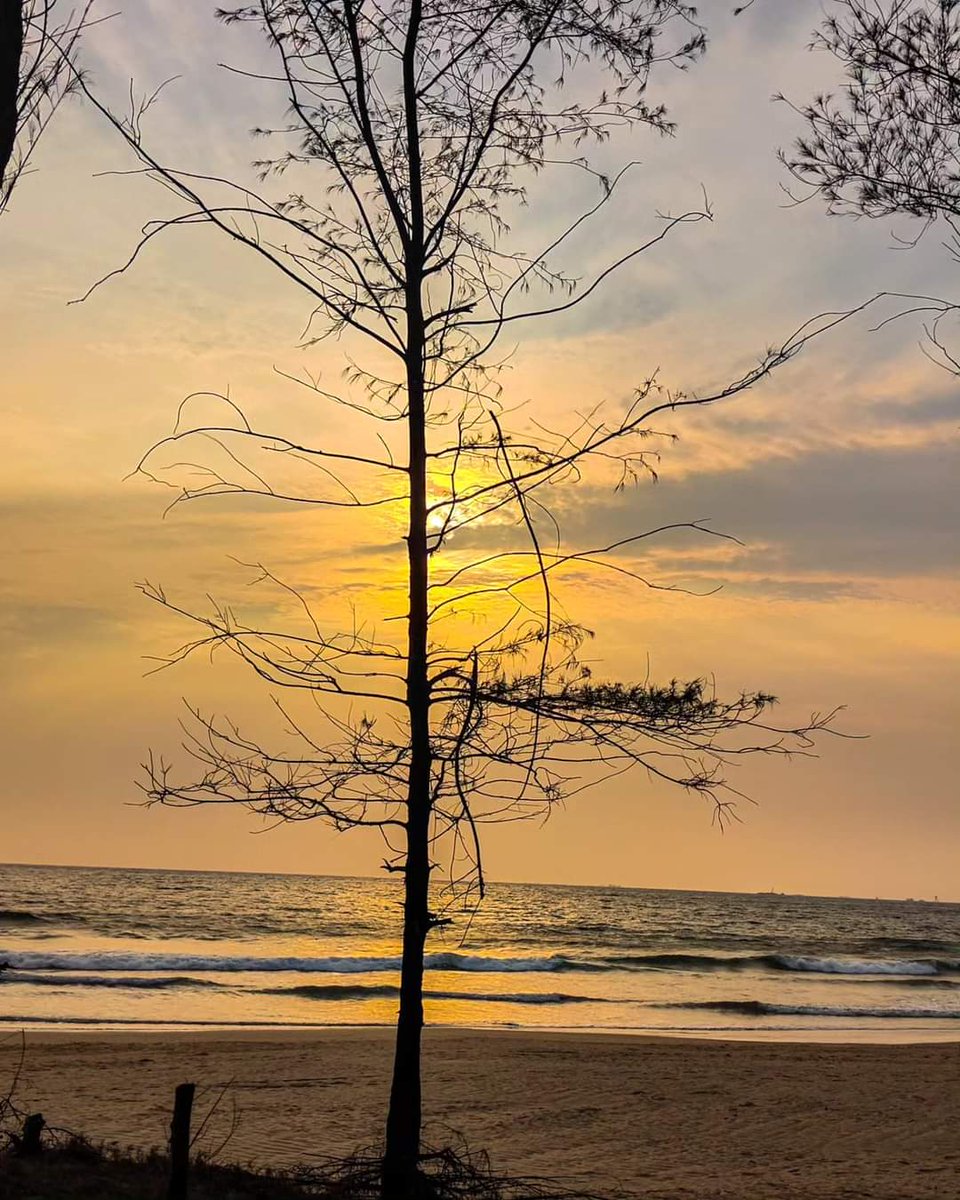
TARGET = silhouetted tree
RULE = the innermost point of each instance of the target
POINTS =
(423, 121)
(888, 142)
(37, 40)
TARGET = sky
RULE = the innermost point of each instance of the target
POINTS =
(838, 477)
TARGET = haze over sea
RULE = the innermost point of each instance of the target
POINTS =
(102, 947)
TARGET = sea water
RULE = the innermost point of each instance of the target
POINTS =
(117, 948)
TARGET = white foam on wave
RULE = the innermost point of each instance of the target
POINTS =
(837, 966)
(29, 960)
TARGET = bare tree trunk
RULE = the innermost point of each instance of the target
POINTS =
(402, 1150)
(404, 1117)
(11, 52)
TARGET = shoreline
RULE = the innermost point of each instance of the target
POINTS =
(53, 1031)
(670, 1118)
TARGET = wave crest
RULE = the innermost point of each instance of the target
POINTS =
(35, 960)
(20, 916)
(784, 962)
(760, 1008)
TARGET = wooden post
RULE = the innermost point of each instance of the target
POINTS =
(180, 1141)
(33, 1126)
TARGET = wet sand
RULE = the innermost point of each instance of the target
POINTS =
(664, 1118)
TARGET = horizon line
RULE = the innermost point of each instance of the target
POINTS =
(622, 887)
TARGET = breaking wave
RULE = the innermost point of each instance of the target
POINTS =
(759, 1008)
(36, 960)
(784, 962)
(839, 966)
(107, 981)
(348, 991)
(335, 991)
(19, 916)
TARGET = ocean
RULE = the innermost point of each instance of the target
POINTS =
(93, 948)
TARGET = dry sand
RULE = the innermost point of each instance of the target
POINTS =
(665, 1118)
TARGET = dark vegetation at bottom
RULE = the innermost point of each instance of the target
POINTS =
(78, 1170)
(39, 1161)
(74, 1168)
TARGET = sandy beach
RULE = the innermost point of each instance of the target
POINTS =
(665, 1118)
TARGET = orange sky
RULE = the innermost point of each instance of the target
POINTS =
(840, 477)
